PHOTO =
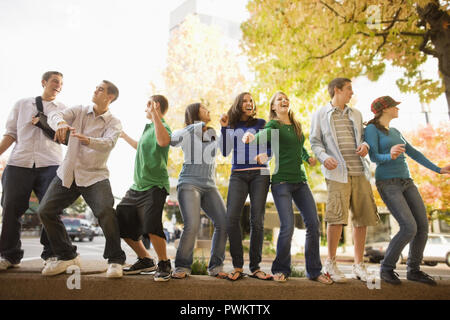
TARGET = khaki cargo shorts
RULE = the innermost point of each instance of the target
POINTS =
(356, 195)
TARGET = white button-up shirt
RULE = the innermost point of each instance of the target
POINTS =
(324, 141)
(86, 164)
(32, 146)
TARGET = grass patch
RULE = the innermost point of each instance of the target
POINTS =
(199, 267)
(297, 273)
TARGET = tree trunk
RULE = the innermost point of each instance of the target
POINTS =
(439, 32)
(447, 92)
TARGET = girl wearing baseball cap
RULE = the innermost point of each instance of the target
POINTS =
(398, 191)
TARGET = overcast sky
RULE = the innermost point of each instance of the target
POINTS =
(124, 42)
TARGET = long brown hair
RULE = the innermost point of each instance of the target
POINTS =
(295, 122)
(235, 111)
(191, 113)
(376, 122)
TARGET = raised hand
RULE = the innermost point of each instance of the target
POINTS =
(224, 120)
(248, 137)
(397, 150)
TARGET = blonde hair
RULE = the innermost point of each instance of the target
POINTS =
(295, 122)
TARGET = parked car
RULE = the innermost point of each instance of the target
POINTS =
(375, 251)
(79, 228)
(436, 250)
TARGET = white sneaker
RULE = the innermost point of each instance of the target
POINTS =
(360, 271)
(46, 262)
(60, 266)
(115, 270)
(5, 264)
(333, 272)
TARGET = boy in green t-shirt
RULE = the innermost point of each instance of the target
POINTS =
(140, 211)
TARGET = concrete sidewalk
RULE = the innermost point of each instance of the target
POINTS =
(27, 283)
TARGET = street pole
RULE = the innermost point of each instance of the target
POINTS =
(425, 107)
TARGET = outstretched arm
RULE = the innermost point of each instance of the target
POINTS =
(128, 139)
(420, 158)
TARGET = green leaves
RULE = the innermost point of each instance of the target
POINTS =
(311, 42)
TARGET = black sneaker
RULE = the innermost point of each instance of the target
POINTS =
(141, 265)
(390, 277)
(421, 276)
(163, 272)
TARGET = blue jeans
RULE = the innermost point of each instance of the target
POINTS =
(406, 205)
(191, 199)
(243, 183)
(18, 183)
(283, 194)
(100, 199)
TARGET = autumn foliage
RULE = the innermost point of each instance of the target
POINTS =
(433, 142)
(201, 67)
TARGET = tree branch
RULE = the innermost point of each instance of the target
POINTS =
(380, 46)
(332, 10)
(333, 51)
(423, 46)
(395, 20)
(382, 34)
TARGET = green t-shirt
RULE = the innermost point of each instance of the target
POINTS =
(291, 152)
(150, 166)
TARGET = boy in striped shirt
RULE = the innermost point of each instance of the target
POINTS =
(337, 141)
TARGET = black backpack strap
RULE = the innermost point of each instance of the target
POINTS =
(39, 105)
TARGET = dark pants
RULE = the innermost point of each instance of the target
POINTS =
(18, 183)
(100, 199)
(255, 184)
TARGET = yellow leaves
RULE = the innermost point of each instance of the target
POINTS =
(433, 143)
(202, 66)
(310, 42)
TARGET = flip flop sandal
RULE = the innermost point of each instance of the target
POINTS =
(179, 275)
(324, 279)
(239, 273)
(279, 277)
(221, 275)
(264, 277)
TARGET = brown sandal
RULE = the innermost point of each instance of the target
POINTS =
(323, 278)
(264, 276)
(221, 275)
(279, 277)
(179, 275)
(239, 273)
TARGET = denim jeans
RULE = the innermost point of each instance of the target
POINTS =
(403, 200)
(18, 183)
(100, 199)
(191, 198)
(283, 194)
(255, 184)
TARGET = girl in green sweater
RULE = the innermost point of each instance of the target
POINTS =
(289, 184)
